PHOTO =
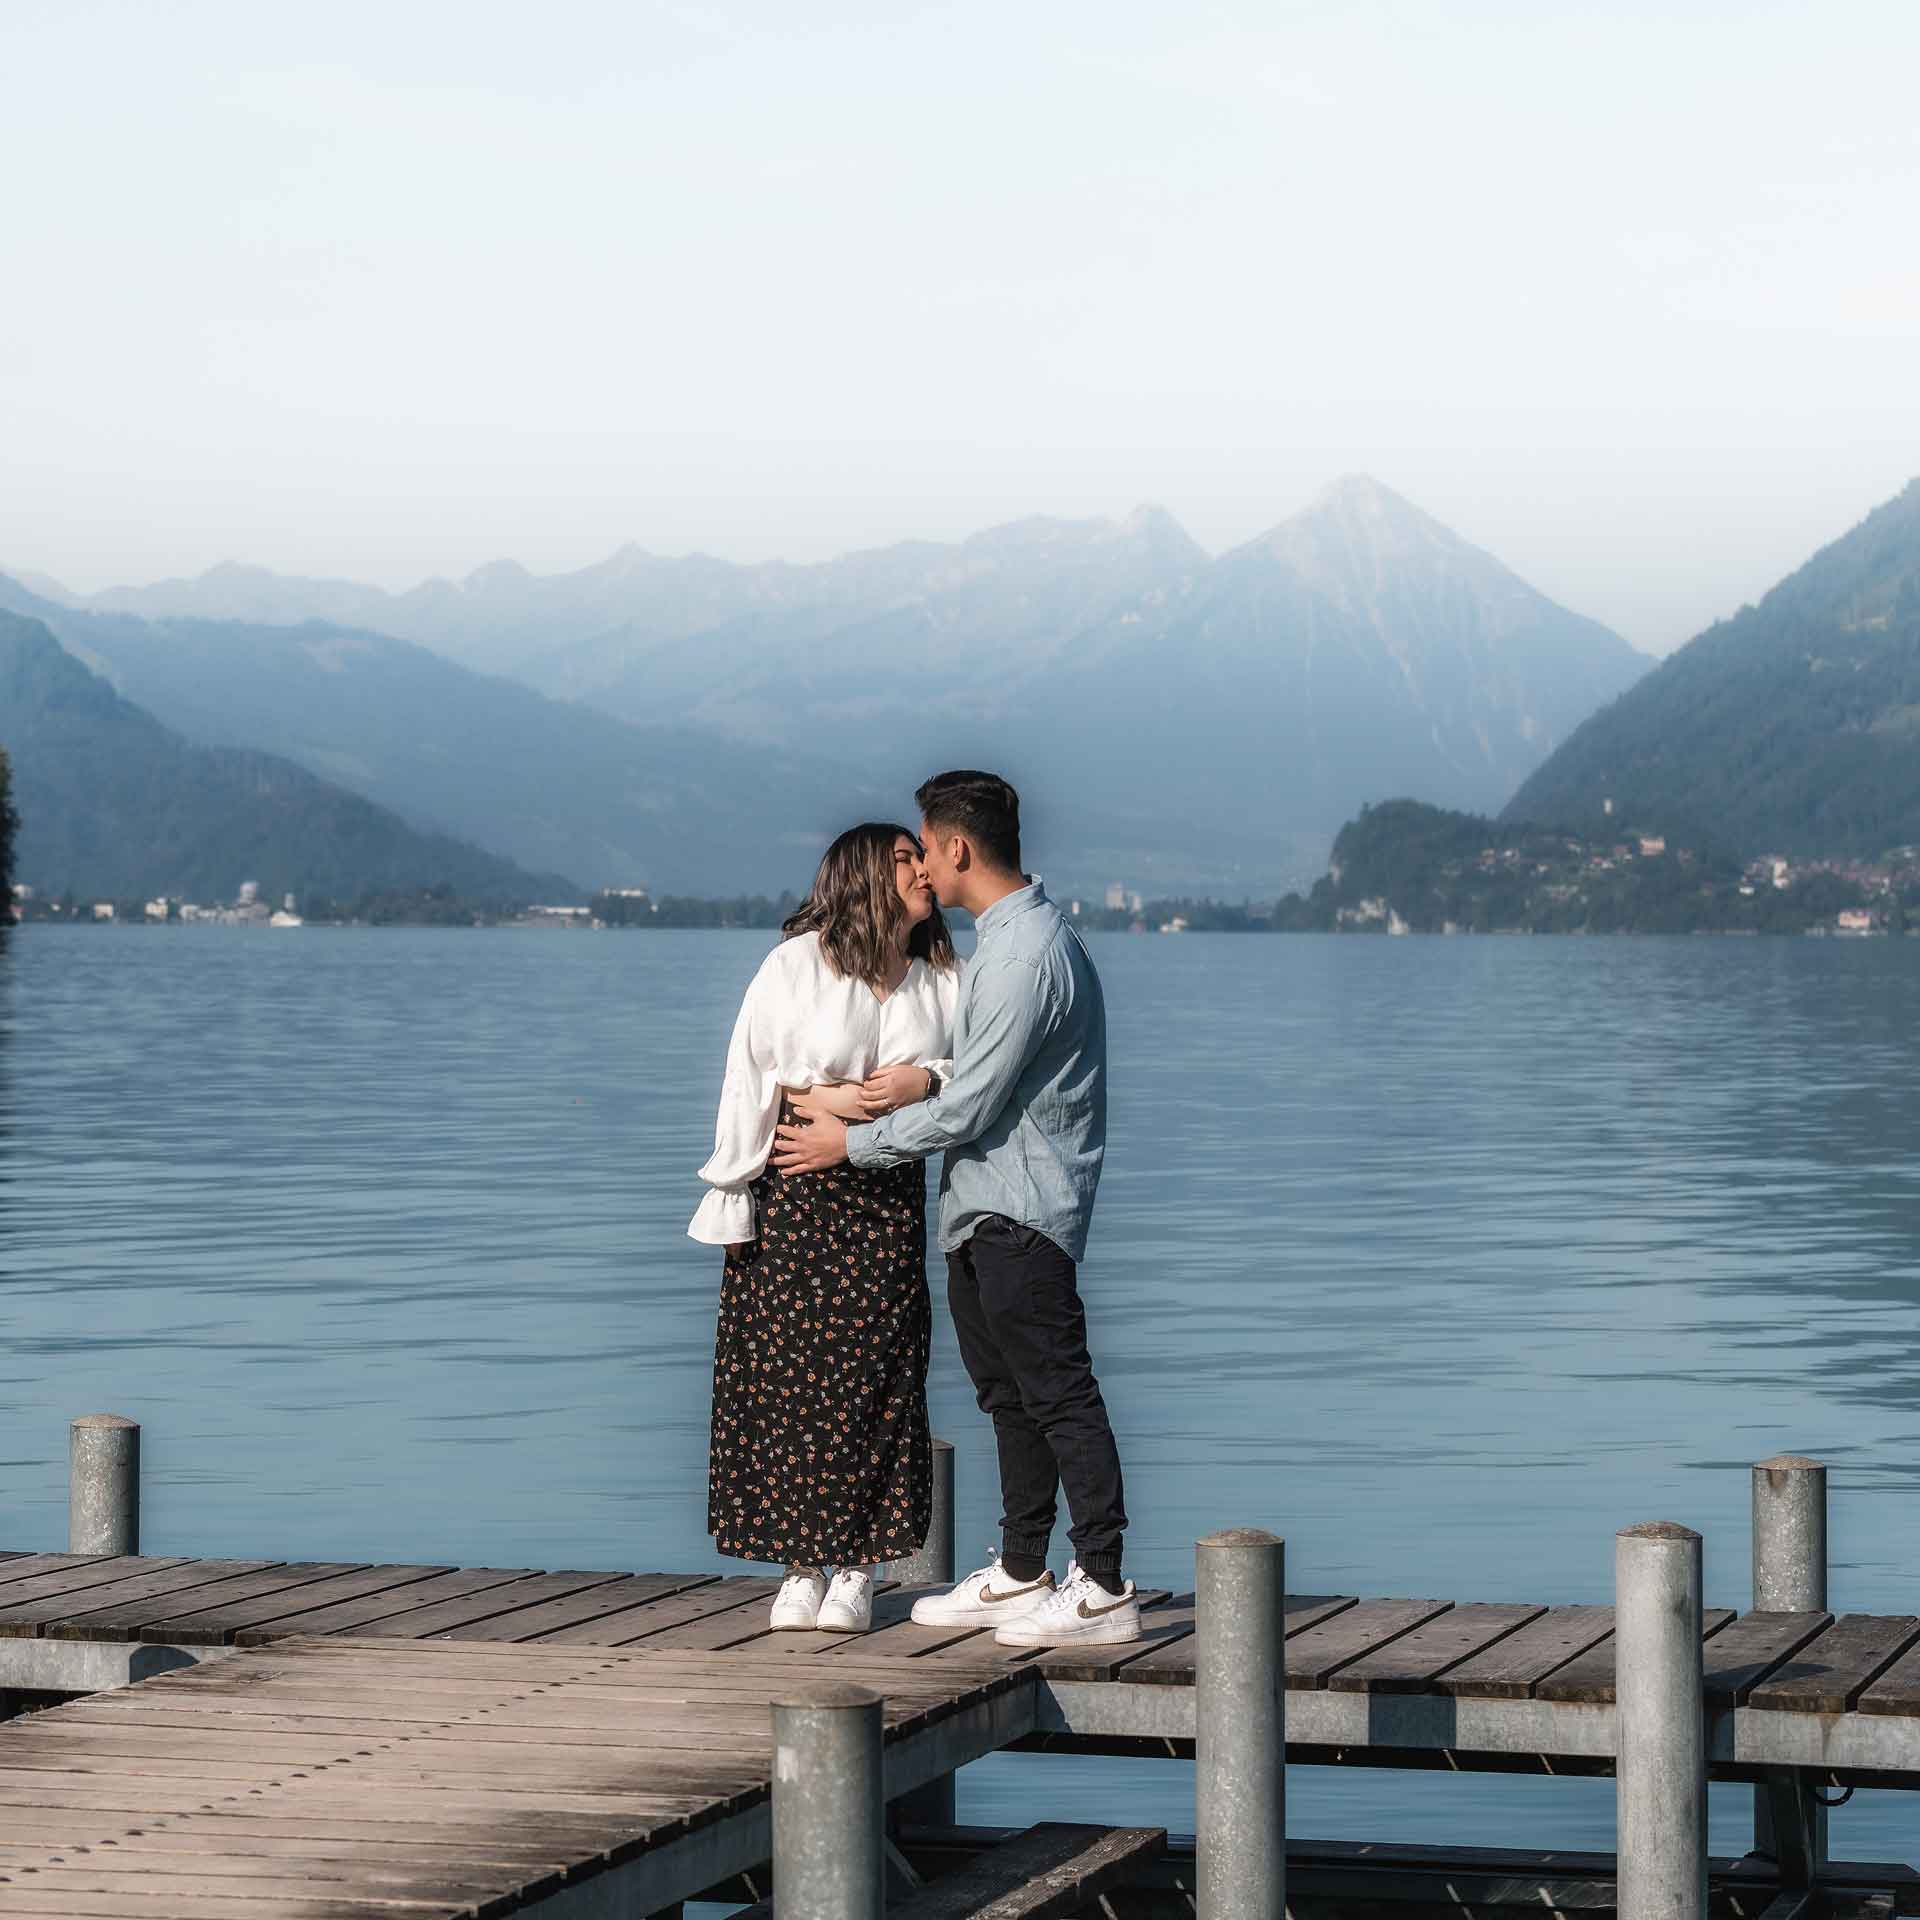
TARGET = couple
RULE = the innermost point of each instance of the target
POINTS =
(861, 1048)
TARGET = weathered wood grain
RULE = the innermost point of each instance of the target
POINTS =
(1838, 1665)
(1413, 1661)
(216, 1625)
(1510, 1668)
(1588, 1680)
(1315, 1656)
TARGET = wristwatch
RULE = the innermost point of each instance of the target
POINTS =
(934, 1082)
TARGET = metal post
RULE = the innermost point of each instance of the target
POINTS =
(1790, 1576)
(1661, 1749)
(103, 1486)
(932, 1566)
(1240, 1752)
(828, 1810)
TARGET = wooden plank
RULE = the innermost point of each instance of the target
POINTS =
(1838, 1665)
(584, 1608)
(1047, 1873)
(54, 1903)
(1411, 1663)
(76, 1577)
(1510, 1668)
(1588, 1679)
(1172, 1665)
(116, 1610)
(379, 1607)
(178, 1884)
(638, 1624)
(1753, 1647)
(461, 1617)
(280, 1578)
(28, 1565)
(1897, 1690)
(1315, 1656)
(216, 1626)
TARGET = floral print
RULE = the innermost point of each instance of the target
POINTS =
(821, 1454)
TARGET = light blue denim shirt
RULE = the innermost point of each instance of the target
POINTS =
(1023, 1122)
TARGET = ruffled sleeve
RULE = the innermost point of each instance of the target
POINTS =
(743, 1132)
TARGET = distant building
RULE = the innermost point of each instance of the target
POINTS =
(103, 909)
(1073, 909)
(1855, 920)
(1116, 898)
(625, 893)
(1133, 903)
(159, 909)
(1652, 844)
(249, 893)
(559, 916)
(1606, 806)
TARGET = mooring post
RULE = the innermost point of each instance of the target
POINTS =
(1790, 1576)
(828, 1808)
(1661, 1758)
(932, 1566)
(103, 1484)
(1240, 1717)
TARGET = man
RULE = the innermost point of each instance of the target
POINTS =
(1023, 1125)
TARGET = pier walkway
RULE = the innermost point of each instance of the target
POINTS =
(334, 1742)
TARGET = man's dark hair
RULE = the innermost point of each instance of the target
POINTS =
(980, 805)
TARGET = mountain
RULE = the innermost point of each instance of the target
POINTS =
(554, 786)
(1794, 727)
(1181, 722)
(114, 804)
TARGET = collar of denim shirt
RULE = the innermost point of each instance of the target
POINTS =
(1010, 906)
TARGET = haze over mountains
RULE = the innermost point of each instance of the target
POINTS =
(1792, 728)
(115, 806)
(1175, 720)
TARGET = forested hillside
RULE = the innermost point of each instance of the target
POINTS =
(1794, 727)
(115, 805)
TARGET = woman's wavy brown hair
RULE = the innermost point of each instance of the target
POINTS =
(855, 906)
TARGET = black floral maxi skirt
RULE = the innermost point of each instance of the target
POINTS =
(821, 1454)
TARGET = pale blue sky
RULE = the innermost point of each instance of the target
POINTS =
(1627, 293)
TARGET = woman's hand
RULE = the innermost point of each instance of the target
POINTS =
(891, 1089)
(842, 1101)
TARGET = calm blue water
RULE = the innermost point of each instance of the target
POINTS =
(1443, 1258)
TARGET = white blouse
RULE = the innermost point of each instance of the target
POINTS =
(803, 1025)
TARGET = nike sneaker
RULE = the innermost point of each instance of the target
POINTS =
(1081, 1614)
(985, 1598)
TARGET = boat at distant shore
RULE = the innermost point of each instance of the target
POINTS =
(285, 919)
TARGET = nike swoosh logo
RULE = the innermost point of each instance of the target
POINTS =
(988, 1598)
(1094, 1613)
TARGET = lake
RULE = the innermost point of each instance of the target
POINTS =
(1442, 1258)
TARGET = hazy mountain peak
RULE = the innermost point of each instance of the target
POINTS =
(496, 575)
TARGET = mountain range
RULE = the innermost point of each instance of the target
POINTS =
(1792, 728)
(114, 805)
(1176, 720)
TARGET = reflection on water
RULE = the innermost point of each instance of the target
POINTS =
(1442, 1258)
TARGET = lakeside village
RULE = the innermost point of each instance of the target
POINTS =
(1400, 868)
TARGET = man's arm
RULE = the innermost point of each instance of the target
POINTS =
(1009, 1013)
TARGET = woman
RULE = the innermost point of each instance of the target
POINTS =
(821, 1458)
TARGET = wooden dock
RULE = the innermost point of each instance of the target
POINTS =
(336, 1742)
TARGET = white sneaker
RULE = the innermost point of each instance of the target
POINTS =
(984, 1598)
(848, 1607)
(1082, 1614)
(796, 1607)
